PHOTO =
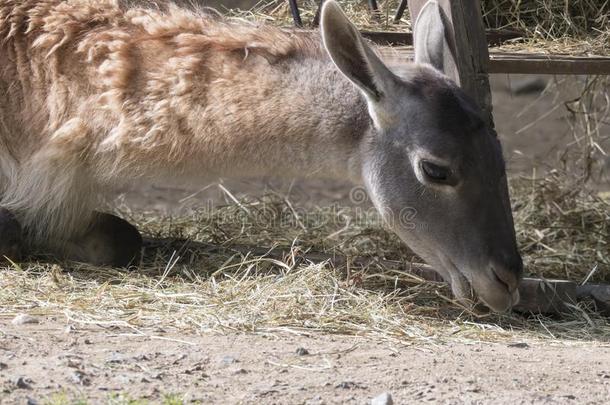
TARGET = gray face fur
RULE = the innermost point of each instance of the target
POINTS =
(430, 164)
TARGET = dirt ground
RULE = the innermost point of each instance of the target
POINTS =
(55, 362)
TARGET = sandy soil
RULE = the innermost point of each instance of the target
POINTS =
(38, 361)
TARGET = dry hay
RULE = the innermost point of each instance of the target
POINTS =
(585, 102)
(554, 26)
(220, 285)
(589, 120)
(563, 230)
(277, 12)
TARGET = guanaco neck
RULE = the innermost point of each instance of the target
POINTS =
(297, 117)
(187, 105)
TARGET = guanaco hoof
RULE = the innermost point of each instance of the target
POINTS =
(109, 241)
(10, 236)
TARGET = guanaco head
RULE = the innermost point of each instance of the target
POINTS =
(430, 164)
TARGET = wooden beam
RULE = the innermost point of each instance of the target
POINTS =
(600, 293)
(501, 62)
(466, 34)
(521, 63)
(545, 296)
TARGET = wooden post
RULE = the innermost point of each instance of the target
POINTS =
(600, 294)
(545, 296)
(466, 35)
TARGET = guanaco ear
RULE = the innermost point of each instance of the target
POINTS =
(352, 56)
(431, 39)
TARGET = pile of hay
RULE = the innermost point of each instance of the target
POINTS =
(557, 26)
(232, 281)
(563, 230)
(278, 12)
(576, 27)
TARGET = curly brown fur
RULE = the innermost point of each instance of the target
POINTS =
(99, 94)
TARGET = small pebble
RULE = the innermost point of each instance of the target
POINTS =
(116, 358)
(228, 360)
(383, 399)
(519, 345)
(570, 396)
(157, 376)
(23, 319)
(349, 385)
(141, 357)
(74, 363)
(80, 378)
(23, 383)
(3, 365)
(195, 368)
(317, 400)
(301, 351)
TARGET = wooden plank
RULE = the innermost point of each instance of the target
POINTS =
(600, 293)
(516, 63)
(545, 296)
(521, 63)
(494, 37)
(466, 35)
(388, 38)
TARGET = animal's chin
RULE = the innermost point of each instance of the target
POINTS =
(466, 289)
(497, 297)
(493, 294)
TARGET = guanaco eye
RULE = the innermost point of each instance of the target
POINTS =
(435, 173)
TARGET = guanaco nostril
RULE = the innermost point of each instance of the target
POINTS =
(509, 277)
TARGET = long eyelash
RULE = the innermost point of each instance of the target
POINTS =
(422, 190)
